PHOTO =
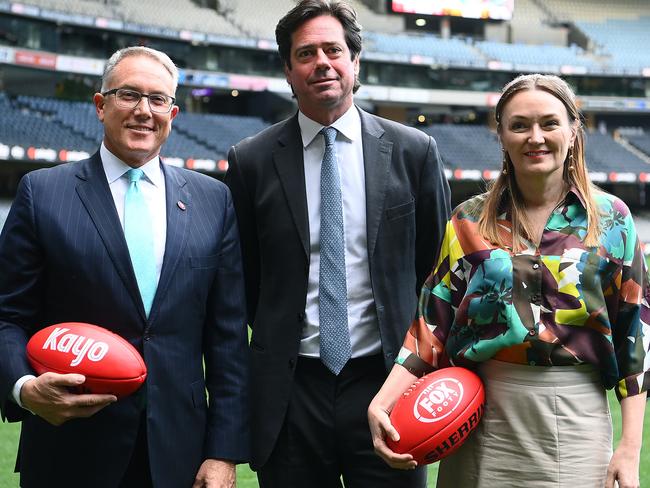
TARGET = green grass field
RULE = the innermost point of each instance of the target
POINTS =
(246, 478)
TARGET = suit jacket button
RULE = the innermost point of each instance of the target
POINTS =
(291, 363)
(301, 316)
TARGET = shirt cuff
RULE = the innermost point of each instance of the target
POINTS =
(15, 392)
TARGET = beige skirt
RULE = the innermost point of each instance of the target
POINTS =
(542, 427)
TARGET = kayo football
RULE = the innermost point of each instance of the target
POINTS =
(109, 363)
(437, 413)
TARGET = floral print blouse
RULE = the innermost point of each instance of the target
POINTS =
(558, 304)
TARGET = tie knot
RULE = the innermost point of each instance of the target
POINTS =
(134, 175)
(329, 133)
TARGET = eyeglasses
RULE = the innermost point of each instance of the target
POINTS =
(130, 99)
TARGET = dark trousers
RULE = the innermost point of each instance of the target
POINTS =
(325, 436)
(138, 473)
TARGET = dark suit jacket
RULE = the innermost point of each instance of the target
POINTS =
(64, 258)
(407, 201)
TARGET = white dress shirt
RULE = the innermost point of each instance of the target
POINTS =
(152, 187)
(362, 316)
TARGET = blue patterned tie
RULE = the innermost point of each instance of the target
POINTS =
(333, 302)
(139, 238)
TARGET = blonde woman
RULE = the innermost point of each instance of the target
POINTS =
(541, 287)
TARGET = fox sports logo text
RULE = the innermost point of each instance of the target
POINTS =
(438, 400)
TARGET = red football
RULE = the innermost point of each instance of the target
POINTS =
(437, 413)
(109, 363)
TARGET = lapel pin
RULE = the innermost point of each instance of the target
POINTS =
(181, 205)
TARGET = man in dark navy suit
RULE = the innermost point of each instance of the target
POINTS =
(341, 213)
(152, 253)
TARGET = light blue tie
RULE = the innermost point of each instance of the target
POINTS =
(139, 238)
(335, 347)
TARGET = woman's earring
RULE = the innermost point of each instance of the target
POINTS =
(505, 163)
(571, 167)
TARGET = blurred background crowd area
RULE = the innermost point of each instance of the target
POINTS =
(436, 65)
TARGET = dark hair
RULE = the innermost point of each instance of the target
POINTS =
(309, 9)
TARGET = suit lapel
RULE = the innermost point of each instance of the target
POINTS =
(95, 194)
(377, 158)
(179, 210)
(289, 164)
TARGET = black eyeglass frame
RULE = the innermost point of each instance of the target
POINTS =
(141, 96)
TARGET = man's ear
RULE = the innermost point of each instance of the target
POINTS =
(99, 101)
(174, 112)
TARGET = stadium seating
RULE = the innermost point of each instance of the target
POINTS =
(372, 21)
(165, 13)
(523, 54)
(217, 133)
(466, 146)
(455, 52)
(161, 13)
(79, 117)
(640, 141)
(255, 18)
(94, 8)
(58, 124)
(604, 154)
(612, 30)
(595, 10)
(476, 147)
(527, 25)
(614, 37)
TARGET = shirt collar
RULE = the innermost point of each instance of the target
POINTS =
(115, 168)
(572, 196)
(573, 192)
(348, 124)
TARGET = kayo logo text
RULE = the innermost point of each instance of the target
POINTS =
(79, 346)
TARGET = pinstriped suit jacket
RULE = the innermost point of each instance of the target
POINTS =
(64, 258)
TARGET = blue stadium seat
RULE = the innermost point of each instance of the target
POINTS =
(60, 124)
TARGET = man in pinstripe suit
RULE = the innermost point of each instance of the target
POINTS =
(64, 258)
